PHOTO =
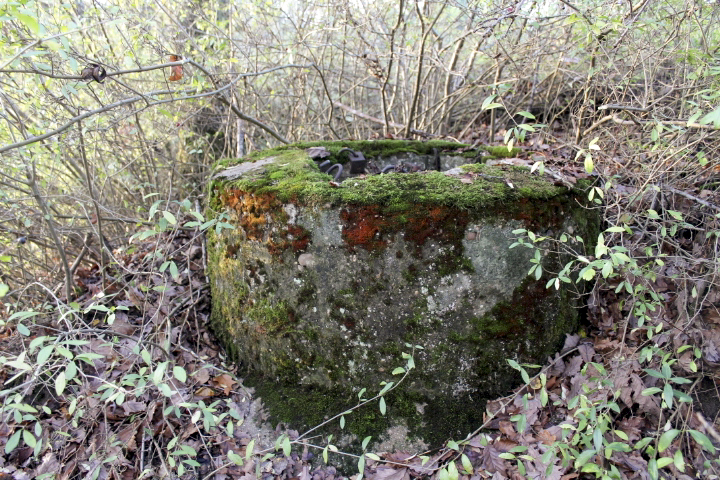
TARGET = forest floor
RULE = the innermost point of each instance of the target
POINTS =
(609, 371)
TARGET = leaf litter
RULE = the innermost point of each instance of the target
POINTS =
(167, 318)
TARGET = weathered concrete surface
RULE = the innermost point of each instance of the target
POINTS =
(320, 288)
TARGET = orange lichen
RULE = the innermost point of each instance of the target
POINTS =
(363, 226)
(254, 210)
(293, 236)
(258, 213)
(440, 223)
(299, 238)
(369, 227)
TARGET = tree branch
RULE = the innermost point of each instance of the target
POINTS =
(365, 116)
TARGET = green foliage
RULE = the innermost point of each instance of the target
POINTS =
(592, 439)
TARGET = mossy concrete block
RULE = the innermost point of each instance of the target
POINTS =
(320, 288)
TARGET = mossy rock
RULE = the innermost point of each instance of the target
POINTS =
(321, 289)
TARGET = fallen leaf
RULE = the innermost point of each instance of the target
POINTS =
(202, 375)
(205, 392)
(225, 382)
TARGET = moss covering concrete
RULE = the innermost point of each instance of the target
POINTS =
(320, 288)
(383, 148)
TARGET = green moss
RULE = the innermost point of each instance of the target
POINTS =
(275, 318)
(306, 408)
(293, 176)
(417, 326)
(410, 274)
(501, 151)
(453, 262)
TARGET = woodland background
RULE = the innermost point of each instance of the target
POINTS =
(113, 114)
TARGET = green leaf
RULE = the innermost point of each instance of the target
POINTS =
(29, 438)
(514, 364)
(4, 289)
(174, 270)
(361, 464)
(653, 468)
(678, 460)
(590, 468)
(179, 373)
(23, 330)
(487, 102)
(169, 217)
(70, 370)
(668, 395)
(398, 371)
(467, 466)
(23, 407)
(666, 439)
(527, 115)
(159, 372)
(249, 449)
(588, 274)
(13, 442)
(342, 422)
(703, 441)
(286, 446)
(643, 443)
(589, 165)
(60, 383)
(383, 407)
(712, 117)
(65, 352)
(208, 224)
(387, 387)
(598, 439)
(373, 456)
(675, 215)
(617, 447)
(44, 354)
(607, 269)
(583, 458)
(453, 445)
(654, 373)
(29, 21)
(694, 117)
(235, 458)
(453, 473)
(365, 442)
